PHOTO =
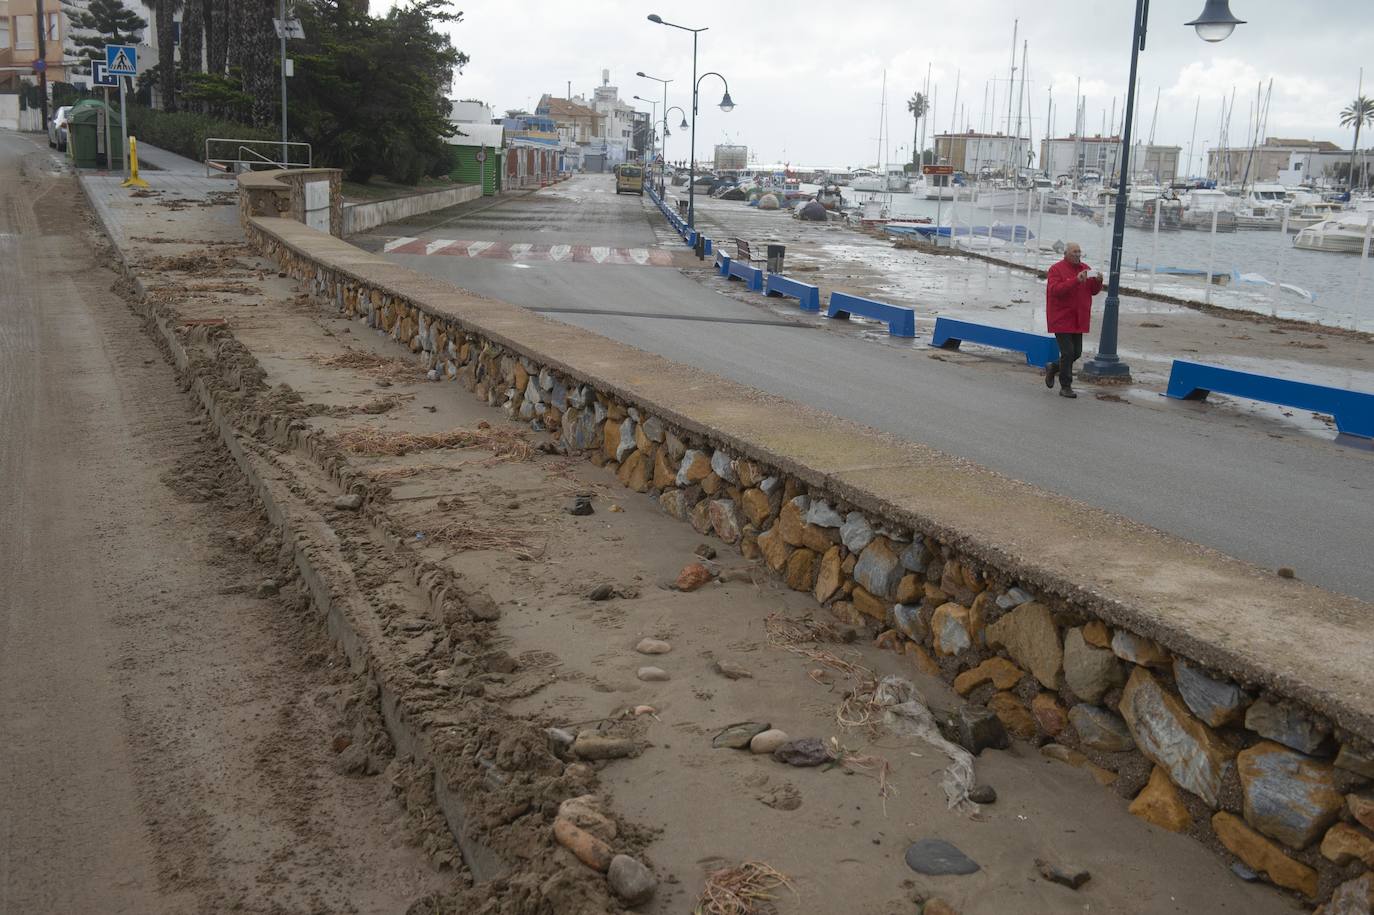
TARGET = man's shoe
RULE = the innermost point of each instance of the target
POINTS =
(1066, 392)
(1050, 371)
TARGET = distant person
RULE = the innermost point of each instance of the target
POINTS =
(1069, 290)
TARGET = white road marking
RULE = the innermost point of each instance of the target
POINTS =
(437, 244)
(478, 247)
(600, 253)
(396, 243)
(560, 252)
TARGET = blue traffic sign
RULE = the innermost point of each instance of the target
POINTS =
(121, 60)
(100, 76)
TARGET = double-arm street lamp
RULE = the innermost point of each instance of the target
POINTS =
(726, 105)
(1214, 24)
(664, 83)
(666, 134)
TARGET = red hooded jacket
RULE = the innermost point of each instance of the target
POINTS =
(1068, 303)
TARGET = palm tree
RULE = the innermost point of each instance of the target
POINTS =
(164, 12)
(1357, 114)
(917, 106)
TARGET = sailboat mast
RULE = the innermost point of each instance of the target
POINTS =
(1049, 131)
(1011, 80)
(954, 110)
(1197, 105)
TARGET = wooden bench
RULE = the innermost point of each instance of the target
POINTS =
(1352, 410)
(807, 296)
(900, 320)
(742, 252)
(1040, 349)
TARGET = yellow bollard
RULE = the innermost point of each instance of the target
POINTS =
(133, 180)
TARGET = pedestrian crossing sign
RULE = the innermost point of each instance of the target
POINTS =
(121, 60)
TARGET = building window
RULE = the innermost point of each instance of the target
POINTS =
(54, 29)
(23, 33)
(4, 33)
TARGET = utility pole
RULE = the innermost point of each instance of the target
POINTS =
(43, 63)
(284, 29)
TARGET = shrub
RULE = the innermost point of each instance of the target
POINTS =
(184, 133)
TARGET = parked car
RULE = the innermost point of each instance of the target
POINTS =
(57, 128)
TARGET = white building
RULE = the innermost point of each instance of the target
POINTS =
(617, 122)
(470, 111)
(974, 152)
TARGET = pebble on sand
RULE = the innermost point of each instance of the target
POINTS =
(653, 646)
(349, 503)
(732, 671)
(631, 880)
(693, 576)
(652, 674)
(938, 858)
(738, 736)
(1068, 875)
(767, 741)
(806, 752)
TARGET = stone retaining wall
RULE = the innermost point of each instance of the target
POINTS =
(1235, 762)
(359, 217)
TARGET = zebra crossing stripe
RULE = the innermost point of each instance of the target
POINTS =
(438, 244)
(396, 243)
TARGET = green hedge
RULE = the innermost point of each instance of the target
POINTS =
(184, 133)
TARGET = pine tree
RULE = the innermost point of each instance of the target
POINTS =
(109, 20)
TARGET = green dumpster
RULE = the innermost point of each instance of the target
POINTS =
(87, 135)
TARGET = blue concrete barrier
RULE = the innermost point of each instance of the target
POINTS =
(722, 262)
(1040, 349)
(1353, 410)
(808, 296)
(752, 276)
(900, 320)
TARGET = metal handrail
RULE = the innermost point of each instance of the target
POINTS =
(246, 158)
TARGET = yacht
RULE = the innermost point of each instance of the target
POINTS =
(1345, 234)
(1200, 203)
(867, 179)
(1302, 215)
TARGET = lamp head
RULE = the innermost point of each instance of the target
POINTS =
(654, 17)
(726, 103)
(683, 125)
(1215, 22)
(639, 73)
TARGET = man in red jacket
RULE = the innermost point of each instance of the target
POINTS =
(1069, 290)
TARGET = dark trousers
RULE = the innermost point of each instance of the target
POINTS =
(1070, 351)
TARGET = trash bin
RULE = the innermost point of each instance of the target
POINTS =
(682, 207)
(775, 255)
(86, 135)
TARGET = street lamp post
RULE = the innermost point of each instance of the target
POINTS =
(666, 134)
(1214, 24)
(653, 122)
(664, 83)
(725, 105)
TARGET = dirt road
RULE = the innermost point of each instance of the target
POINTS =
(165, 732)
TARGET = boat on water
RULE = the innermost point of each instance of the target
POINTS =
(1344, 234)
(867, 179)
(1302, 215)
(1140, 214)
(1005, 232)
(1201, 204)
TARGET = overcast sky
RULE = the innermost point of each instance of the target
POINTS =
(806, 77)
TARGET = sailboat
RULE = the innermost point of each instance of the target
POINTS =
(875, 211)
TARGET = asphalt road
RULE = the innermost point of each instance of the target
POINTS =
(1250, 487)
